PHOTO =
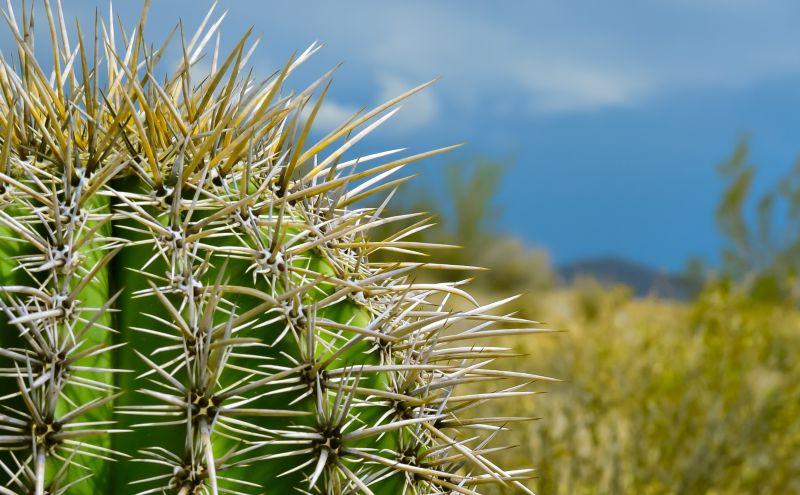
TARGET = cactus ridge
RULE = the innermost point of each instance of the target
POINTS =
(193, 297)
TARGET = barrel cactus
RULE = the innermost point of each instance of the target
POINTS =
(194, 297)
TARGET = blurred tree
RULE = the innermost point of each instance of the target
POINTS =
(463, 213)
(761, 234)
(694, 276)
(472, 193)
(514, 267)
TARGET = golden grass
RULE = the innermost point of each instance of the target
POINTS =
(659, 397)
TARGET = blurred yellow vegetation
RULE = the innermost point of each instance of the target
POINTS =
(659, 397)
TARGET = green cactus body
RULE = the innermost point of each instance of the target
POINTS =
(190, 301)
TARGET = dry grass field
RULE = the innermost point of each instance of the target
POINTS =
(658, 397)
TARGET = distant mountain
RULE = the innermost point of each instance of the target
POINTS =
(643, 279)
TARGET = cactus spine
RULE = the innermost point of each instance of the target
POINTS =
(191, 297)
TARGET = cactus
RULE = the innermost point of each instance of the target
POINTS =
(193, 300)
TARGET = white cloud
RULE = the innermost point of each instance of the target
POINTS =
(475, 56)
(418, 110)
(332, 114)
(576, 88)
(570, 57)
(482, 57)
(549, 56)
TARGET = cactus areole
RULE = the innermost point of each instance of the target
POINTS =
(194, 300)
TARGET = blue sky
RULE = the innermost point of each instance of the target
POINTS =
(615, 113)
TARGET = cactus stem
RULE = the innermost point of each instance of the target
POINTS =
(334, 366)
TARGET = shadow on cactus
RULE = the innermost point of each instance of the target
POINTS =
(188, 300)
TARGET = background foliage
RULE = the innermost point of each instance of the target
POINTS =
(657, 396)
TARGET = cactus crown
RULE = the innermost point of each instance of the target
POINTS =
(191, 295)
